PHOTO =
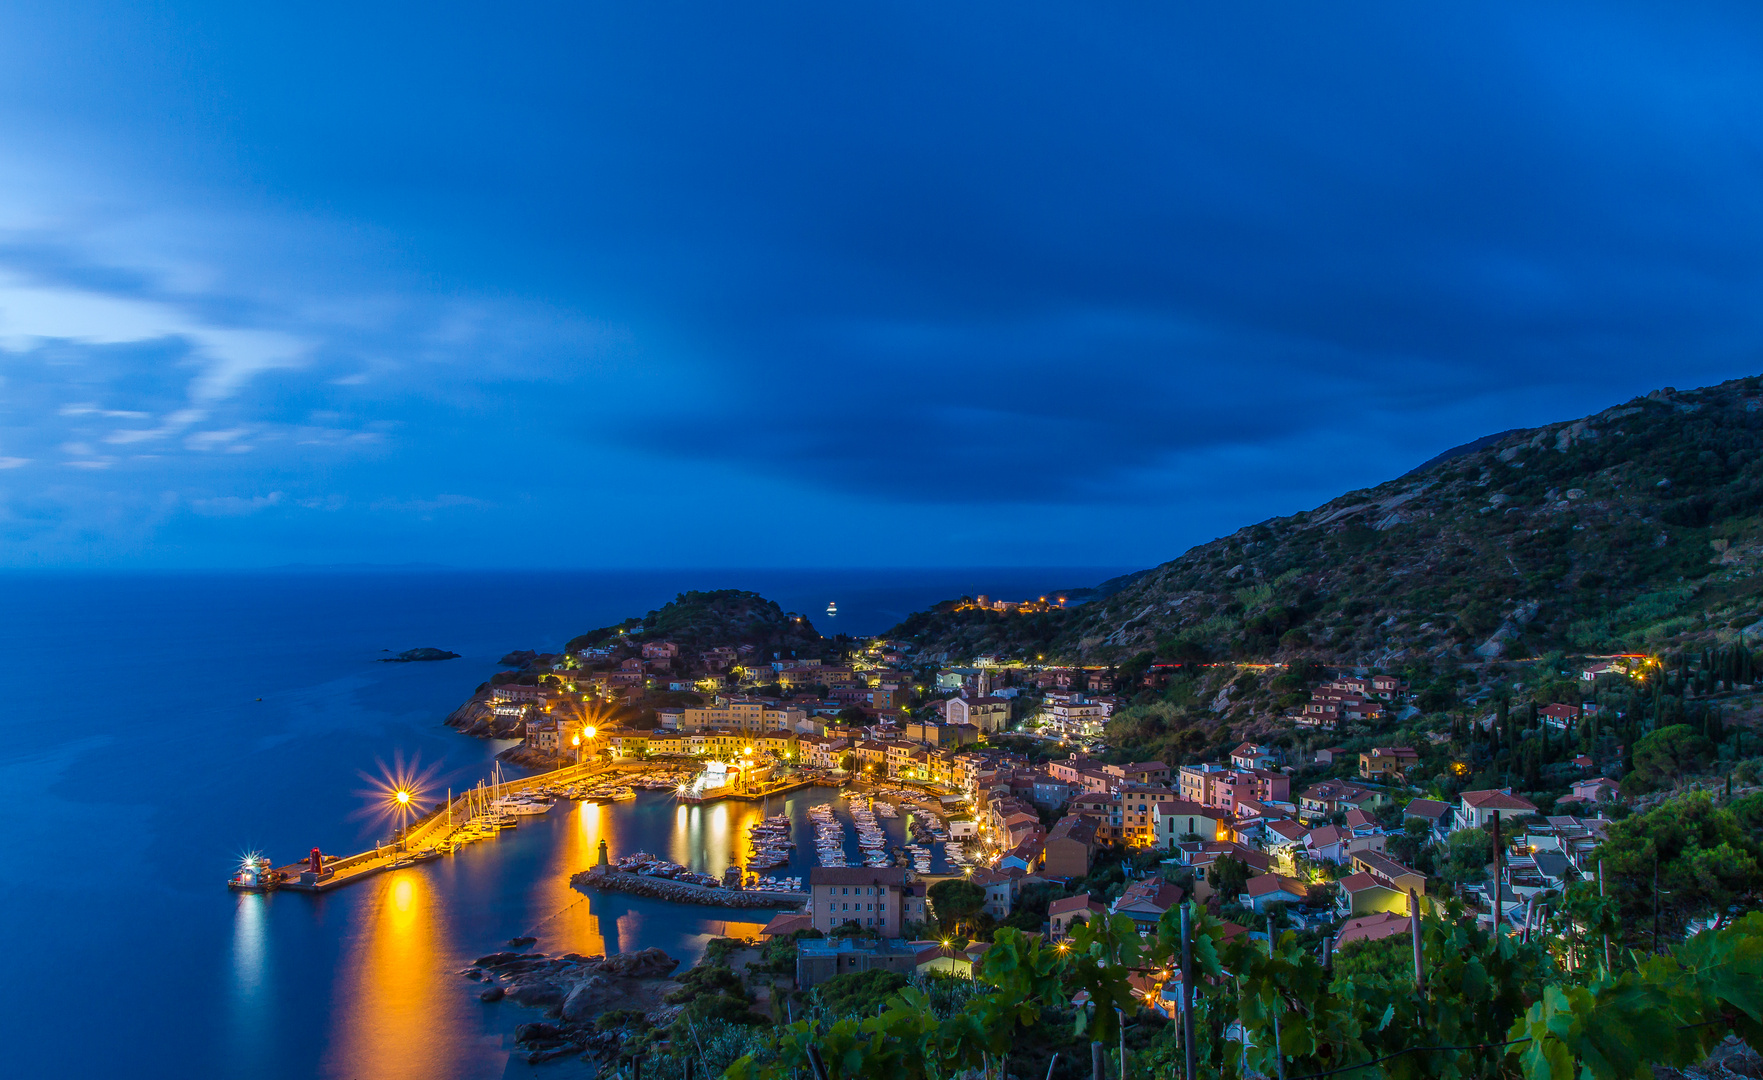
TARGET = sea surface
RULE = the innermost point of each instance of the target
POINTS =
(162, 725)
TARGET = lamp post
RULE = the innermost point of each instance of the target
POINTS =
(402, 798)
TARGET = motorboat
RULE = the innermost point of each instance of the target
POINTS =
(254, 875)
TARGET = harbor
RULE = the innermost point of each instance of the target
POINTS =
(484, 812)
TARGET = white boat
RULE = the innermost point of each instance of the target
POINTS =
(522, 806)
(832, 608)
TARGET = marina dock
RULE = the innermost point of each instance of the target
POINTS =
(337, 871)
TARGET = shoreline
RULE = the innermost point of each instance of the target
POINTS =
(609, 879)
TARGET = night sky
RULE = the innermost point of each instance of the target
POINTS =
(598, 284)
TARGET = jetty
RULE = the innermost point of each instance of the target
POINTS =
(319, 873)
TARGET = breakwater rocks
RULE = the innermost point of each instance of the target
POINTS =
(574, 990)
(681, 892)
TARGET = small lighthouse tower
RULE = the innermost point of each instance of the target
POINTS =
(602, 863)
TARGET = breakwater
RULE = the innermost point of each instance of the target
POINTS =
(607, 879)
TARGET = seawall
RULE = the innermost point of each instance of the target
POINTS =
(681, 892)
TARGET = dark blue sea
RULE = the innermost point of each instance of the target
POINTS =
(164, 724)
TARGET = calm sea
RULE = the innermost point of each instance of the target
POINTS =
(142, 764)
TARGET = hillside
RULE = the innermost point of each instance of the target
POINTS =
(717, 617)
(1636, 529)
(1633, 529)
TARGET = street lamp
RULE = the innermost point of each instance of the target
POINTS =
(401, 804)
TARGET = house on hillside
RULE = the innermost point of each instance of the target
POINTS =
(1061, 914)
(1388, 762)
(1267, 889)
(1437, 816)
(1251, 756)
(1596, 790)
(1069, 847)
(1477, 808)
(1559, 717)
(1177, 820)
(1144, 902)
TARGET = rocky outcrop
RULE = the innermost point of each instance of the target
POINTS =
(573, 988)
(648, 963)
(535, 760)
(416, 656)
(681, 892)
(478, 719)
(592, 997)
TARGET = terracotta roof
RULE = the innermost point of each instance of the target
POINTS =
(1372, 928)
(1290, 830)
(1359, 882)
(1325, 836)
(1158, 896)
(788, 922)
(1074, 827)
(1266, 884)
(1497, 800)
(1385, 867)
(1430, 809)
(1085, 903)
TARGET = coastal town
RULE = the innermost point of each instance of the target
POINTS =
(1349, 816)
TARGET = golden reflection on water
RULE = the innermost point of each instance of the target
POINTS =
(250, 999)
(387, 1013)
(399, 1011)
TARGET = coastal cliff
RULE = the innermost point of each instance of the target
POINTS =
(477, 718)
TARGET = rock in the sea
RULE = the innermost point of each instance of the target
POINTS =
(472, 973)
(415, 655)
(520, 942)
(494, 993)
(539, 1057)
(537, 1032)
(503, 959)
(650, 963)
(592, 997)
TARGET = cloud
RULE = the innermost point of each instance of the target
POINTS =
(234, 506)
(1152, 272)
(34, 311)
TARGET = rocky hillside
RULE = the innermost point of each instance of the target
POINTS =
(1634, 529)
(697, 619)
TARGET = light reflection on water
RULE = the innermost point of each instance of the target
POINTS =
(251, 1000)
(387, 1005)
(397, 1007)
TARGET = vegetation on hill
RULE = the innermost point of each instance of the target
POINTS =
(1634, 529)
(1491, 1005)
(1637, 529)
(950, 631)
(717, 617)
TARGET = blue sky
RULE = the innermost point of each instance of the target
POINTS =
(676, 284)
